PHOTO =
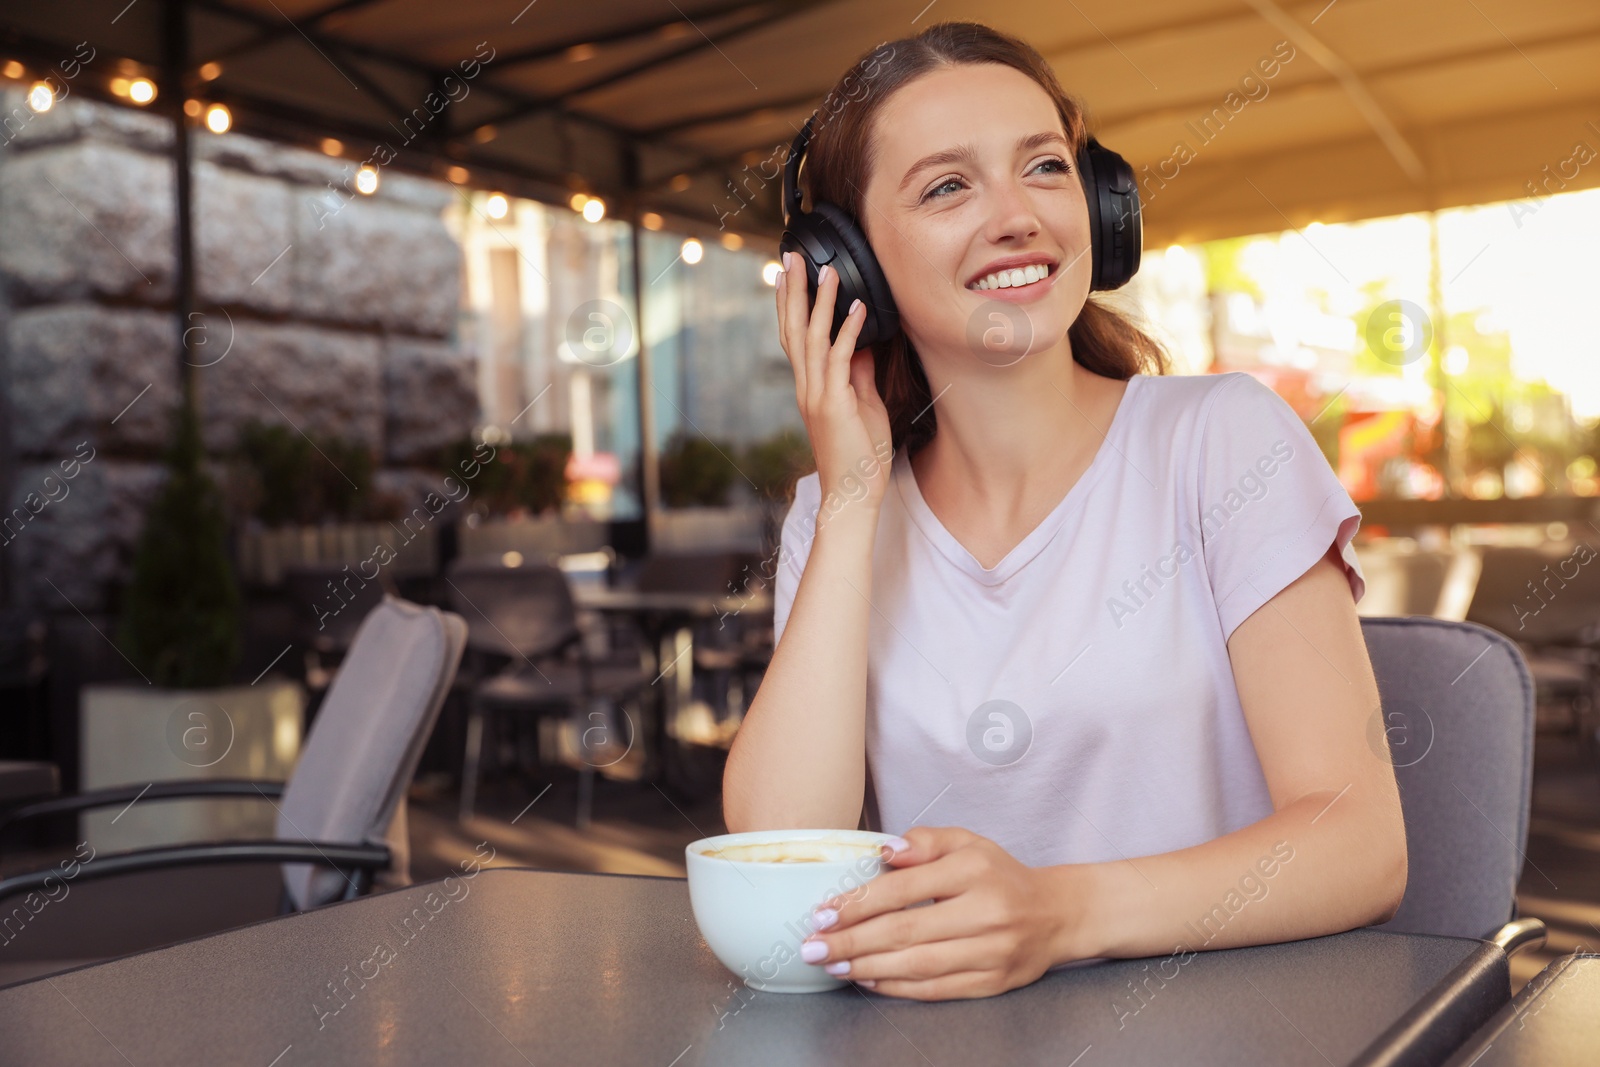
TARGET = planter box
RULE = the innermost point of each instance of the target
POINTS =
(264, 553)
(729, 529)
(536, 539)
(133, 734)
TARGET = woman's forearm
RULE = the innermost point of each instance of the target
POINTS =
(1322, 864)
(799, 758)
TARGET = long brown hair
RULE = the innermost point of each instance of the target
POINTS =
(842, 152)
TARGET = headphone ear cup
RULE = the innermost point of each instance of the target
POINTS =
(1116, 230)
(860, 277)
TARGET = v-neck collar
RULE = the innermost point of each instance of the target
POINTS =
(1041, 535)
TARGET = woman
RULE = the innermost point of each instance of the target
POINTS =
(1084, 637)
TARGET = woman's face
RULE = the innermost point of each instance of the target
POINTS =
(975, 211)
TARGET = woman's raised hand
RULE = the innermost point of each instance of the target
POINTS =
(834, 385)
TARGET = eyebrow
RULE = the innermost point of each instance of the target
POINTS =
(967, 154)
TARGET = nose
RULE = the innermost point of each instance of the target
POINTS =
(1013, 218)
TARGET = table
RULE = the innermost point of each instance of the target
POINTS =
(1553, 1022)
(661, 615)
(539, 967)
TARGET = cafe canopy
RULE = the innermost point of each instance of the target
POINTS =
(1240, 116)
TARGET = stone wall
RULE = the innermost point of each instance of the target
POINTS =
(333, 313)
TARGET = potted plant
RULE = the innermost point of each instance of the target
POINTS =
(179, 629)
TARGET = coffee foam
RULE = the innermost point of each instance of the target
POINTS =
(800, 850)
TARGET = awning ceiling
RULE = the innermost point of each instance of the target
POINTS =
(1387, 106)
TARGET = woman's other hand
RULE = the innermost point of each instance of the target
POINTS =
(994, 923)
(835, 388)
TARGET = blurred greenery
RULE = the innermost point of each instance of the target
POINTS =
(517, 476)
(696, 471)
(290, 478)
(775, 463)
(180, 614)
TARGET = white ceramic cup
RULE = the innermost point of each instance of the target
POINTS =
(755, 911)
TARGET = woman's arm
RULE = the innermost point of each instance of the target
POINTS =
(1331, 857)
(799, 758)
(1335, 844)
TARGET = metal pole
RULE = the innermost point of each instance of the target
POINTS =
(649, 483)
(174, 70)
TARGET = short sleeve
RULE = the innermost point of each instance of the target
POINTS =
(1270, 505)
(794, 548)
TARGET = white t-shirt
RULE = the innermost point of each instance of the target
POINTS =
(1076, 703)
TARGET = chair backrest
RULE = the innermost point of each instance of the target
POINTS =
(521, 611)
(1458, 716)
(329, 602)
(714, 573)
(1538, 595)
(368, 736)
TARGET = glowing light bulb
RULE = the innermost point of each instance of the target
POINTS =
(770, 271)
(497, 206)
(141, 90)
(218, 119)
(41, 97)
(692, 251)
(594, 210)
(367, 181)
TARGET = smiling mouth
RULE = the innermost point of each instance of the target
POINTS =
(1015, 278)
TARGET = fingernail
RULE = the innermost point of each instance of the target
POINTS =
(823, 918)
(823, 272)
(813, 951)
(853, 305)
(786, 256)
(840, 968)
(868, 982)
(897, 845)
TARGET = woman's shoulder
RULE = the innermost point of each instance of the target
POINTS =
(1198, 393)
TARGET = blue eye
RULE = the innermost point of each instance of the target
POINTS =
(1060, 166)
(951, 184)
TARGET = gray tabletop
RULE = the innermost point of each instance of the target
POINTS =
(1553, 1022)
(537, 967)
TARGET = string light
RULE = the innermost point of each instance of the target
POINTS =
(497, 206)
(732, 242)
(577, 201)
(594, 209)
(650, 220)
(367, 181)
(141, 90)
(692, 251)
(218, 118)
(41, 97)
(770, 271)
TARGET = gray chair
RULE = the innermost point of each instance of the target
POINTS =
(341, 814)
(522, 619)
(1458, 715)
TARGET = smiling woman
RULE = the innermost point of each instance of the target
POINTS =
(990, 475)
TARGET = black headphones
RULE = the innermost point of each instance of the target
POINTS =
(827, 234)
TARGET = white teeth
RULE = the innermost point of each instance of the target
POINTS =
(1007, 279)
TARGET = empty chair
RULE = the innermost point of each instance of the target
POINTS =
(341, 815)
(1458, 719)
(1547, 600)
(522, 620)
